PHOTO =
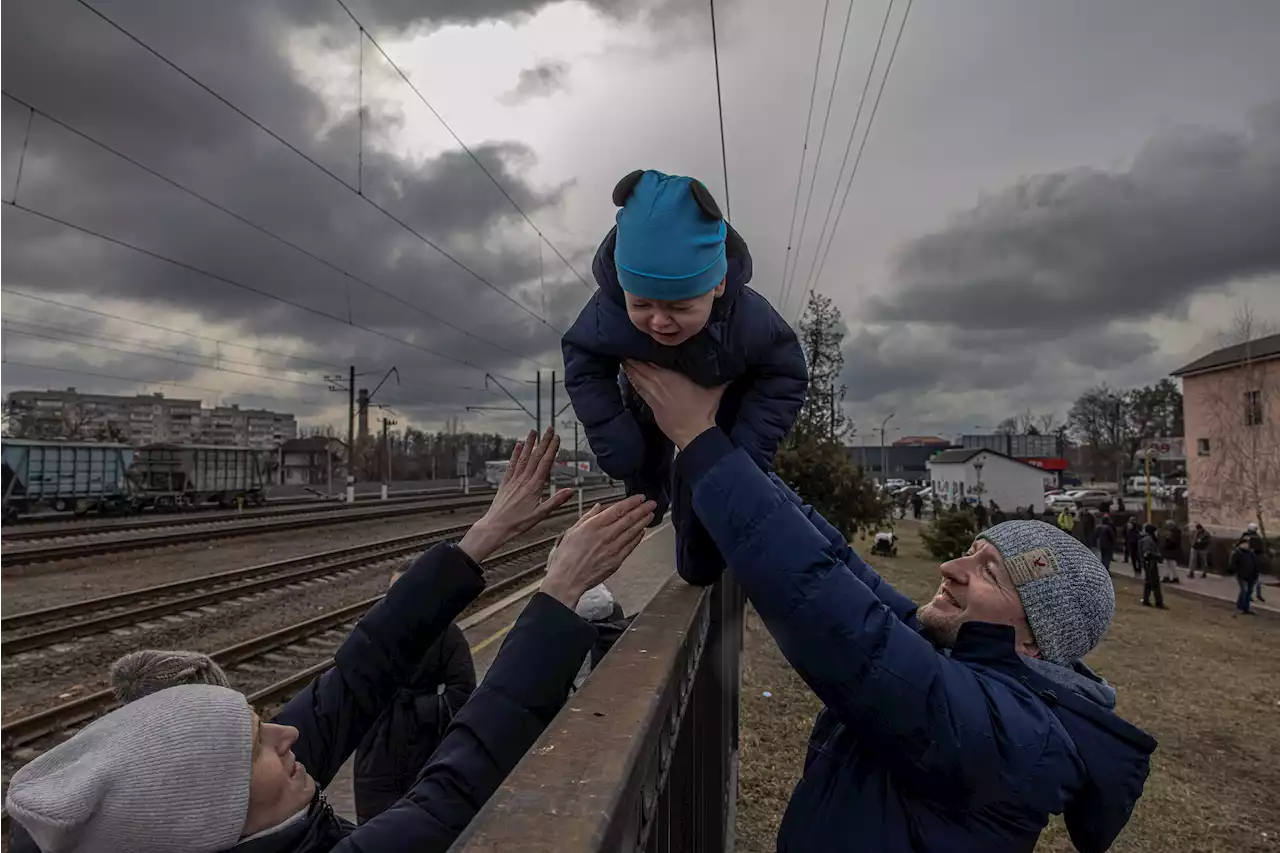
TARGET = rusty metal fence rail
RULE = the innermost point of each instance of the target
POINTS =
(645, 756)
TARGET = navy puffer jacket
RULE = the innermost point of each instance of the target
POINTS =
(745, 344)
(918, 749)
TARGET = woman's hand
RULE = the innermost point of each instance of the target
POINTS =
(683, 409)
(595, 547)
(518, 505)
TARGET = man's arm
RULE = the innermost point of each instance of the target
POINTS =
(334, 712)
(779, 383)
(898, 604)
(523, 691)
(930, 718)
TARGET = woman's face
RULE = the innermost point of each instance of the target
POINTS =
(279, 786)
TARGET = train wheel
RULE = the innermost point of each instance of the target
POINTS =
(60, 505)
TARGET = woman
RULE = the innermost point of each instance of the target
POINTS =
(193, 768)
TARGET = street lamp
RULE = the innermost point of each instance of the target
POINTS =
(884, 465)
(978, 490)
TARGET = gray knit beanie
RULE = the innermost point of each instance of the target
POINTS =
(168, 773)
(142, 673)
(1067, 594)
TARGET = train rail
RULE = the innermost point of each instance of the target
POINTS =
(38, 629)
(94, 543)
(252, 663)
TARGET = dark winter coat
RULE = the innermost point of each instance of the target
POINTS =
(1106, 536)
(1172, 545)
(524, 689)
(403, 738)
(1244, 564)
(746, 344)
(1201, 540)
(917, 749)
(1149, 548)
(1132, 533)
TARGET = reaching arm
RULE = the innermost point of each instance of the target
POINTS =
(928, 716)
(898, 604)
(524, 689)
(779, 382)
(335, 711)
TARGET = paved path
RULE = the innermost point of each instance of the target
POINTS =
(1221, 587)
(639, 579)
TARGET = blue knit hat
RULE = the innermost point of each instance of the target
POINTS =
(671, 237)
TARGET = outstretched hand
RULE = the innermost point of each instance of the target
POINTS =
(683, 408)
(593, 549)
(519, 504)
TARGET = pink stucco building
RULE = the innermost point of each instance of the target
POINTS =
(1231, 407)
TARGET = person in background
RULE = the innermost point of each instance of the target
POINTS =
(1132, 553)
(1066, 521)
(997, 514)
(1171, 548)
(1258, 546)
(1200, 541)
(1106, 538)
(193, 769)
(980, 515)
(1244, 565)
(394, 752)
(917, 506)
(1088, 527)
(603, 612)
(1149, 549)
(134, 676)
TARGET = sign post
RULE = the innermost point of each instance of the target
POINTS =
(463, 467)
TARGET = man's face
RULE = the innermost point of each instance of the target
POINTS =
(977, 588)
(279, 786)
(672, 323)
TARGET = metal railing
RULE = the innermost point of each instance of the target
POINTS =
(645, 756)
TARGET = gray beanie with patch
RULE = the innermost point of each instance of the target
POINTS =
(168, 773)
(1067, 594)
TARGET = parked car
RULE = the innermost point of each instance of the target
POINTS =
(1138, 485)
(894, 483)
(1091, 498)
(1061, 499)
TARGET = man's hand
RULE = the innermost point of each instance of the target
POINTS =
(518, 505)
(595, 547)
(683, 409)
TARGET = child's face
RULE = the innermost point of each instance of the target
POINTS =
(672, 323)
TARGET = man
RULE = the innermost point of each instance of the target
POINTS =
(1066, 520)
(1200, 541)
(1088, 527)
(1244, 565)
(1132, 536)
(1149, 549)
(1171, 547)
(917, 505)
(980, 515)
(1106, 541)
(1258, 546)
(958, 726)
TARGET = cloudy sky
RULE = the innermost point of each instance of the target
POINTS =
(1052, 195)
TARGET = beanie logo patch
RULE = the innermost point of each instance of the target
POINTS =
(1032, 565)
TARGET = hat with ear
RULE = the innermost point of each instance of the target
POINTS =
(671, 237)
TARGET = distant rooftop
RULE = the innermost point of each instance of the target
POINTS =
(1268, 347)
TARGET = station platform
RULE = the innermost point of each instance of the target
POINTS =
(648, 568)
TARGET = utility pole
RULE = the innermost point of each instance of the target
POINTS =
(884, 464)
(386, 454)
(537, 419)
(336, 384)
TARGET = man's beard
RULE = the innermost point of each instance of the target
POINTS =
(941, 628)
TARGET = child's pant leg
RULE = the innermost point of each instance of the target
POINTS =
(698, 560)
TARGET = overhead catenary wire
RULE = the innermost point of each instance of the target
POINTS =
(724, 157)
(848, 147)
(405, 77)
(316, 164)
(9, 291)
(861, 147)
(262, 229)
(817, 159)
(804, 151)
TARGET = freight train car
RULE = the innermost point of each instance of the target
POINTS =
(66, 476)
(171, 476)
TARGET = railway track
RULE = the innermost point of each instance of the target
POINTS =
(51, 626)
(61, 546)
(270, 666)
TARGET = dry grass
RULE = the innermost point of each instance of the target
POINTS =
(1205, 683)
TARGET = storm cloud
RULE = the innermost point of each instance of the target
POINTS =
(540, 81)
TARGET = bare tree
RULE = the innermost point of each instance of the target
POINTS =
(1029, 423)
(80, 421)
(1241, 405)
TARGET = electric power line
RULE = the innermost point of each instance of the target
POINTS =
(817, 160)
(8, 291)
(405, 77)
(804, 151)
(261, 229)
(404, 225)
(857, 160)
(724, 159)
(853, 134)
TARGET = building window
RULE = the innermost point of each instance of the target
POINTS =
(1252, 408)
(1202, 447)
